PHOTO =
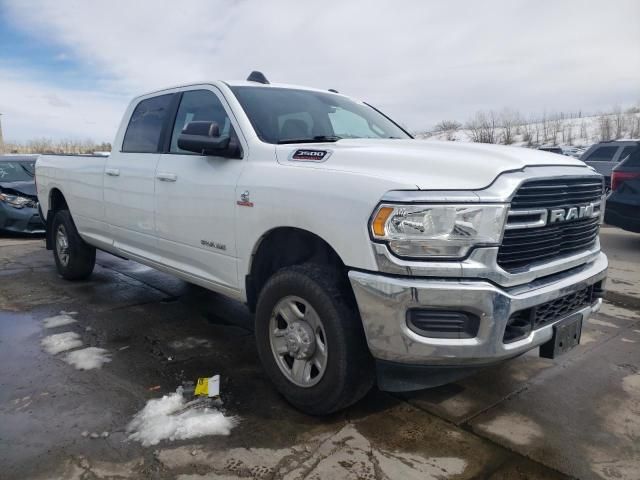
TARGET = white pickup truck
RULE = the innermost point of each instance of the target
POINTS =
(366, 255)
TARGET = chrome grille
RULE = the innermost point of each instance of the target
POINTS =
(526, 243)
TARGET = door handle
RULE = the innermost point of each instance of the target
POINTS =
(112, 172)
(166, 177)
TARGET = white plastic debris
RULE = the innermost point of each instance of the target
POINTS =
(172, 418)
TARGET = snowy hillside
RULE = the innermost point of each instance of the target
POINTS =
(506, 128)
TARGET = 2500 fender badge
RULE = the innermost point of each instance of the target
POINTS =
(304, 155)
(210, 244)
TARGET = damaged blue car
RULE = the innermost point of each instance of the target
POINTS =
(18, 198)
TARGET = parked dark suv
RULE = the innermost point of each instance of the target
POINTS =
(604, 156)
(623, 204)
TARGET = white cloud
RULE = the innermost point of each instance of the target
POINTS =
(35, 109)
(420, 61)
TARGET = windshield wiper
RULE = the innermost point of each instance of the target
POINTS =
(316, 139)
(29, 172)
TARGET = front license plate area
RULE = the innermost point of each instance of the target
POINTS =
(566, 335)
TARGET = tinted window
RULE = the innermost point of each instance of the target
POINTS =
(281, 115)
(145, 126)
(626, 151)
(602, 154)
(634, 158)
(199, 105)
(16, 171)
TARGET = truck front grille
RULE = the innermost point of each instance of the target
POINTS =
(526, 246)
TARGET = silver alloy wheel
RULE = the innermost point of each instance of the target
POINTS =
(298, 341)
(62, 245)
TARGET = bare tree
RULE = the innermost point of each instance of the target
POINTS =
(583, 130)
(448, 127)
(555, 127)
(509, 120)
(482, 127)
(618, 122)
(47, 145)
(604, 124)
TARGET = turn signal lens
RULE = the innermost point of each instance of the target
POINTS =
(380, 220)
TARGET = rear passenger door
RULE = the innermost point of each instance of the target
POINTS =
(129, 178)
(195, 198)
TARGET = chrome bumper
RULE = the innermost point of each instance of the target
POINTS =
(383, 302)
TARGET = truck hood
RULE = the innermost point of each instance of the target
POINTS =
(426, 165)
(26, 188)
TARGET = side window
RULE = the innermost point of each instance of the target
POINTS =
(602, 154)
(634, 158)
(626, 151)
(145, 126)
(199, 105)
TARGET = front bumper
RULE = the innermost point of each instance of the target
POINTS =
(383, 302)
(20, 220)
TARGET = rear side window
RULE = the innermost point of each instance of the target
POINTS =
(145, 126)
(602, 154)
(626, 151)
(634, 158)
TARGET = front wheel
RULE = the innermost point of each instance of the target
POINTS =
(310, 340)
(74, 258)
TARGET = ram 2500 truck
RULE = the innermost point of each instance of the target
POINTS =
(366, 255)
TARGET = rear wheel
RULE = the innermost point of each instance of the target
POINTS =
(310, 339)
(74, 258)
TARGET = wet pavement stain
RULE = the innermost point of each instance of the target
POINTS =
(161, 332)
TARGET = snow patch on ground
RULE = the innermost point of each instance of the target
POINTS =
(64, 318)
(172, 418)
(61, 342)
(88, 358)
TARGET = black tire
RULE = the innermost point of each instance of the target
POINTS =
(349, 371)
(79, 263)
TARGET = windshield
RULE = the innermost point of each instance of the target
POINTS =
(16, 171)
(284, 115)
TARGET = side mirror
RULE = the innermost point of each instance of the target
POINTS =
(203, 137)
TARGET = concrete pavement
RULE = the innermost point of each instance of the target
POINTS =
(531, 418)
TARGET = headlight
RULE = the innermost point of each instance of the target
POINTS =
(448, 231)
(16, 201)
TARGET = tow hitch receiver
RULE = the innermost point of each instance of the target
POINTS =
(566, 335)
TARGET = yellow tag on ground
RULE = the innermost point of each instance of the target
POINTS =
(202, 387)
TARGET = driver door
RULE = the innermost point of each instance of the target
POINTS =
(195, 198)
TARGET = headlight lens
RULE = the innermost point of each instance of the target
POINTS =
(447, 231)
(16, 201)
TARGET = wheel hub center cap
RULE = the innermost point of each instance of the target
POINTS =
(300, 340)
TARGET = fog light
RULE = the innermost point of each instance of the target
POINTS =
(435, 323)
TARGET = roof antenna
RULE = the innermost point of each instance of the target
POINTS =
(258, 77)
(333, 90)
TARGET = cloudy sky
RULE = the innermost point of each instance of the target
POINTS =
(69, 67)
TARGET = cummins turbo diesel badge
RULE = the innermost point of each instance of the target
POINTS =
(310, 155)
